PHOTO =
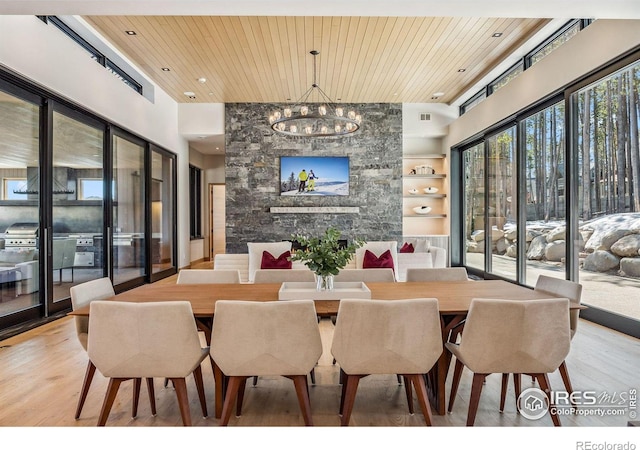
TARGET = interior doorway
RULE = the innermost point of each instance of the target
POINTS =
(217, 240)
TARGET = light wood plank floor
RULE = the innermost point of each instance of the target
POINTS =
(41, 373)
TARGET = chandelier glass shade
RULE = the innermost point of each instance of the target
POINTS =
(322, 119)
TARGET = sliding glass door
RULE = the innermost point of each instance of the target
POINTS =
(128, 228)
(77, 201)
(163, 220)
(20, 143)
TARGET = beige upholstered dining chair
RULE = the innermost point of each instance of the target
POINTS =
(561, 288)
(283, 275)
(365, 275)
(208, 276)
(146, 340)
(511, 336)
(387, 337)
(265, 339)
(81, 295)
(437, 274)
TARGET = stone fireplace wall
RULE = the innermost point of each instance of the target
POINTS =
(252, 170)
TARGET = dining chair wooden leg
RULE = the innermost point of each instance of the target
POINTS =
(109, 398)
(255, 381)
(137, 382)
(88, 378)
(220, 388)
(517, 387)
(409, 393)
(197, 375)
(240, 398)
(457, 373)
(343, 382)
(503, 390)
(180, 386)
(399, 378)
(233, 384)
(476, 391)
(543, 381)
(302, 391)
(421, 392)
(152, 395)
(351, 386)
(564, 373)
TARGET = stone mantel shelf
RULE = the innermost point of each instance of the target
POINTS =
(315, 210)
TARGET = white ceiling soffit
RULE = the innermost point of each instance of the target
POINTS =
(610, 9)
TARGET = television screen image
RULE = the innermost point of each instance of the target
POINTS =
(314, 175)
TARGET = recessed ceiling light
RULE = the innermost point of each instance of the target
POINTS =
(438, 94)
(130, 32)
(462, 70)
(202, 80)
(217, 148)
(496, 35)
(166, 69)
(190, 94)
(210, 93)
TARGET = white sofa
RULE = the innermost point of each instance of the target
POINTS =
(434, 257)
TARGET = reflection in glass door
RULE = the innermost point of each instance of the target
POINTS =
(19, 204)
(77, 197)
(128, 230)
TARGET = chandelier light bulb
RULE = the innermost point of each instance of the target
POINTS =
(287, 112)
(293, 129)
(322, 109)
(281, 126)
(304, 110)
(338, 128)
(358, 118)
(308, 129)
(324, 129)
(351, 115)
(277, 115)
(272, 118)
(340, 112)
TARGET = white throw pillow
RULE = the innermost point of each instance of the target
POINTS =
(378, 248)
(420, 244)
(255, 254)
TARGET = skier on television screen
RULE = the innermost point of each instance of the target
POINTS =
(302, 177)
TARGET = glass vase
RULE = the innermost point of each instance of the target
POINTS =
(324, 283)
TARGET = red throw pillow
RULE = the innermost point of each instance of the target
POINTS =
(371, 261)
(407, 248)
(270, 262)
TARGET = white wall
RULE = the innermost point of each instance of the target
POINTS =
(44, 55)
(591, 48)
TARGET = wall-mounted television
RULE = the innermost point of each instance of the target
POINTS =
(314, 175)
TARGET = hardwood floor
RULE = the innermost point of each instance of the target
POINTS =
(41, 373)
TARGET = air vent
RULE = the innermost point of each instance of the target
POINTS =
(425, 116)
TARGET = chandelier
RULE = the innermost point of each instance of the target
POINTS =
(302, 119)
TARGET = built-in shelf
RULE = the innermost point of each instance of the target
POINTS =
(426, 216)
(435, 175)
(425, 195)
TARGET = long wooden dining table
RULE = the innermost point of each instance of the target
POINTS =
(454, 299)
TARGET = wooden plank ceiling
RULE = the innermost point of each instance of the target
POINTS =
(362, 59)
